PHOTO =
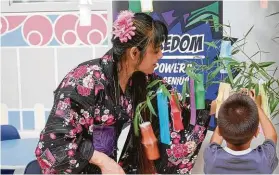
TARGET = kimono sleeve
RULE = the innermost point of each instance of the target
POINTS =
(63, 147)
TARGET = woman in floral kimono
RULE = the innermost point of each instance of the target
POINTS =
(96, 101)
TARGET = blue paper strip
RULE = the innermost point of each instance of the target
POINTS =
(225, 52)
(163, 108)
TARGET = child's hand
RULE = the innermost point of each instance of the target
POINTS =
(244, 91)
(251, 93)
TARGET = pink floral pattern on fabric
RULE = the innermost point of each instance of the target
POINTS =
(126, 103)
(62, 106)
(86, 78)
(80, 71)
(180, 152)
(105, 60)
(46, 159)
(84, 91)
(82, 103)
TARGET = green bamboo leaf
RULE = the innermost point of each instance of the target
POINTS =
(249, 31)
(229, 60)
(275, 71)
(213, 64)
(239, 46)
(166, 91)
(234, 52)
(190, 73)
(250, 84)
(226, 25)
(153, 83)
(266, 64)
(274, 105)
(273, 14)
(221, 60)
(255, 54)
(252, 65)
(270, 102)
(230, 74)
(238, 87)
(234, 64)
(211, 44)
(211, 82)
(213, 74)
(136, 124)
(137, 118)
(275, 113)
(264, 73)
(270, 82)
(246, 84)
(148, 101)
(257, 89)
(238, 80)
(227, 80)
(150, 93)
(239, 40)
(188, 87)
(184, 89)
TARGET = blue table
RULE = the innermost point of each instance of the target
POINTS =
(16, 154)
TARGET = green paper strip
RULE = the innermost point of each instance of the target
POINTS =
(135, 6)
(200, 92)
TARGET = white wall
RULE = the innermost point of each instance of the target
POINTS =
(30, 74)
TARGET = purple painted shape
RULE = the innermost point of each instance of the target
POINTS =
(155, 16)
(168, 17)
(185, 17)
(192, 103)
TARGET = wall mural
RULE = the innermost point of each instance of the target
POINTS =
(52, 29)
(192, 26)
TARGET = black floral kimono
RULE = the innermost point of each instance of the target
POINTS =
(87, 107)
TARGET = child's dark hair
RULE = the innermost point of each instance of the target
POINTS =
(238, 119)
(148, 31)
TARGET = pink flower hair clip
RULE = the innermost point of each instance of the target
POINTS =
(123, 26)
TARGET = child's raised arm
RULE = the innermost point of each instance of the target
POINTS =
(268, 128)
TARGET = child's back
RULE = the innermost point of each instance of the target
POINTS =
(238, 123)
(220, 160)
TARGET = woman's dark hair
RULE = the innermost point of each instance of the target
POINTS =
(238, 119)
(148, 31)
(139, 92)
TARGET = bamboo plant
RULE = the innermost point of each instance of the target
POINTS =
(240, 74)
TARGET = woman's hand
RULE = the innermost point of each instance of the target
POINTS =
(106, 164)
(111, 167)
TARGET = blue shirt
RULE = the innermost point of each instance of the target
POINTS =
(262, 160)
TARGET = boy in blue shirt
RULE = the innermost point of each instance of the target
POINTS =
(238, 121)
